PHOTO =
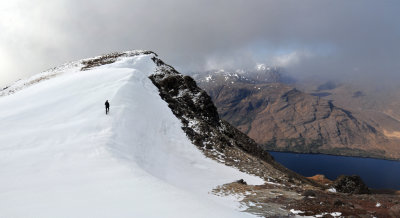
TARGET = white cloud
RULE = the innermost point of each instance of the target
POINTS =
(196, 35)
(30, 33)
(290, 59)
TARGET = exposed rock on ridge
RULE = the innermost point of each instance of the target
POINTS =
(216, 138)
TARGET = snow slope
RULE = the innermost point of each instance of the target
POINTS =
(61, 156)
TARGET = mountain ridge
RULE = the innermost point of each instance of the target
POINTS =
(283, 118)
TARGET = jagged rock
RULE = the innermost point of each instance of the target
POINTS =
(199, 116)
(351, 184)
(290, 179)
(309, 193)
(241, 181)
(338, 203)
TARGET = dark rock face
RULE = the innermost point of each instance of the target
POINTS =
(309, 193)
(216, 138)
(338, 203)
(351, 184)
(200, 119)
(241, 181)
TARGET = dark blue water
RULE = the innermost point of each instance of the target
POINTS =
(374, 172)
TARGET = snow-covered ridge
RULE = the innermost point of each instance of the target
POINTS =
(61, 156)
(70, 67)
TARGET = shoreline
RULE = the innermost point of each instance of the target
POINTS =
(332, 166)
(330, 154)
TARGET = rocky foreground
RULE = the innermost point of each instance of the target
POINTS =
(277, 199)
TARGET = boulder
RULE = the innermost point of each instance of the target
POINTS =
(351, 184)
(241, 181)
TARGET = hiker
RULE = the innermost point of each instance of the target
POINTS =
(107, 106)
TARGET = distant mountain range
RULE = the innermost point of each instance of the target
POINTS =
(261, 74)
(284, 115)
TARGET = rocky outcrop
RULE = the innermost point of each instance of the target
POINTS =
(216, 138)
(351, 184)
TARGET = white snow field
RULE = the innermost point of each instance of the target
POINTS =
(61, 156)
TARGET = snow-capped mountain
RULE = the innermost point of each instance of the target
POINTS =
(260, 74)
(62, 156)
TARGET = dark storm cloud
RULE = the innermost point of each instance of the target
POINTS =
(334, 39)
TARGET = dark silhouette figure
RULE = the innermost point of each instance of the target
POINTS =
(107, 107)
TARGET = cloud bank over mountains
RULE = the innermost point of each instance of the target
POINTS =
(357, 39)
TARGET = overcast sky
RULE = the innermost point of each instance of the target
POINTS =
(338, 38)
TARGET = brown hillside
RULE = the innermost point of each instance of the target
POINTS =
(283, 118)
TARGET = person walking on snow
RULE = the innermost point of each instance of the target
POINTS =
(107, 106)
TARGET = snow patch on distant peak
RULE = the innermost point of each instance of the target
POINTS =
(208, 78)
(261, 67)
